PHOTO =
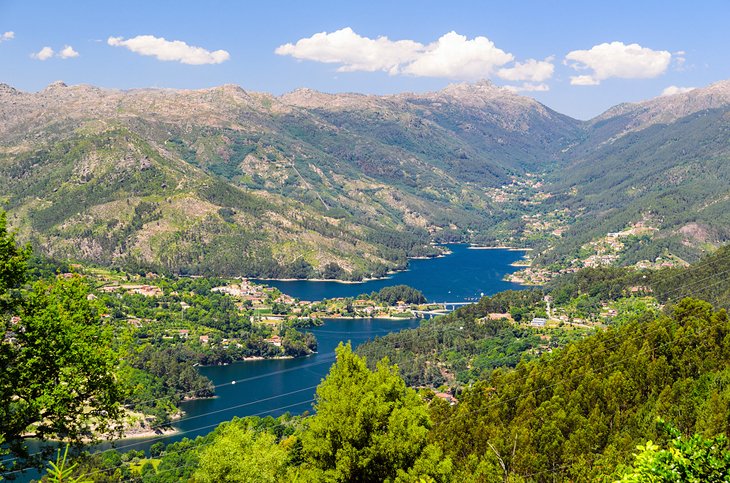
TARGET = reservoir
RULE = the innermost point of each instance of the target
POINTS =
(273, 387)
(463, 275)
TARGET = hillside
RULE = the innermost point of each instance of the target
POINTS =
(662, 163)
(230, 182)
(223, 181)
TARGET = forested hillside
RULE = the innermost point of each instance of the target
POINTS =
(224, 181)
(663, 163)
(577, 414)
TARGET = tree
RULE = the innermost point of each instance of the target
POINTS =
(13, 266)
(57, 375)
(695, 459)
(369, 426)
(241, 454)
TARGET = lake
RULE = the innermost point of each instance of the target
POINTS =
(464, 275)
(273, 387)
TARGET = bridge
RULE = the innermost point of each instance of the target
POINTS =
(444, 311)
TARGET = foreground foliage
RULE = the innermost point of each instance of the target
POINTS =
(578, 413)
(57, 376)
(695, 459)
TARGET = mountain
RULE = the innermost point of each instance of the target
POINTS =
(228, 181)
(664, 163)
(347, 186)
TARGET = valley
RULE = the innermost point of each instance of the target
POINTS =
(224, 243)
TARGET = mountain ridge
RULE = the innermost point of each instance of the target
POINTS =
(376, 179)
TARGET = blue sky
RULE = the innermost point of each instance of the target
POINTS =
(578, 58)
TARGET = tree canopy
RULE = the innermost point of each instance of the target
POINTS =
(57, 375)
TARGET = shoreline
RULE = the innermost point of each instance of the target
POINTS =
(364, 280)
(354, 317)
(389, 275)
(259, 358)
(511, 249)
(149, 433)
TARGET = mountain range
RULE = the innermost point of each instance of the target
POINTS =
(347, 186)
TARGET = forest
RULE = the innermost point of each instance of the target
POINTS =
(645, 401)
(643, 397)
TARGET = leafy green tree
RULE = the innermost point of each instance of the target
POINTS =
(694, 460)
(239, 453)
(13, 266)
(57, 374)
(369, 426)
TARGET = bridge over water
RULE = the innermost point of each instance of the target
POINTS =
(448, 307)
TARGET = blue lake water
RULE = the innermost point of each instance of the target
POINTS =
(273, 387)
(462, 276)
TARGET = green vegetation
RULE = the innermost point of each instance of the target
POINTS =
(675, 173)
(694, 459)
(576, 414)
(368, 426)
(58, 370)
(398, 293)
(464, 346)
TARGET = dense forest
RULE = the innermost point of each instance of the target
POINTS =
(641, 396)
(645, 401)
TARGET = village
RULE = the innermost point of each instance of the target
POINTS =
(269, 305)
(601, 252)
(160, 307)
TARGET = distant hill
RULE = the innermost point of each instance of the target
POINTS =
(310, 184)
(228, 181)
(666, 160)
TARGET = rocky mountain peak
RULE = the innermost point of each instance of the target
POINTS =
(667, 109)
(55, 86)
(6, 89)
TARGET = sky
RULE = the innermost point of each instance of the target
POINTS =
(579, 58)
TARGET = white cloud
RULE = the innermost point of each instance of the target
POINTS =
(679, 60)
(617, 59)
(584, 80)
(68, 52)
(530, 70)
(451, 56)
(44, 54)
(529, 87)
(671, 90)
(456, 57)
(9, 35)
(170, 50)
(353, 51)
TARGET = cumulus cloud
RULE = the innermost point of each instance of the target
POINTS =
(9, 35)
(456, 57)
(170, 50)
(353, 51)
(68, 52)
(584, 80)
(529, 87)
(530, 70)
(452, 56)
(617, 59)
(671, 90)
(44, 54)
